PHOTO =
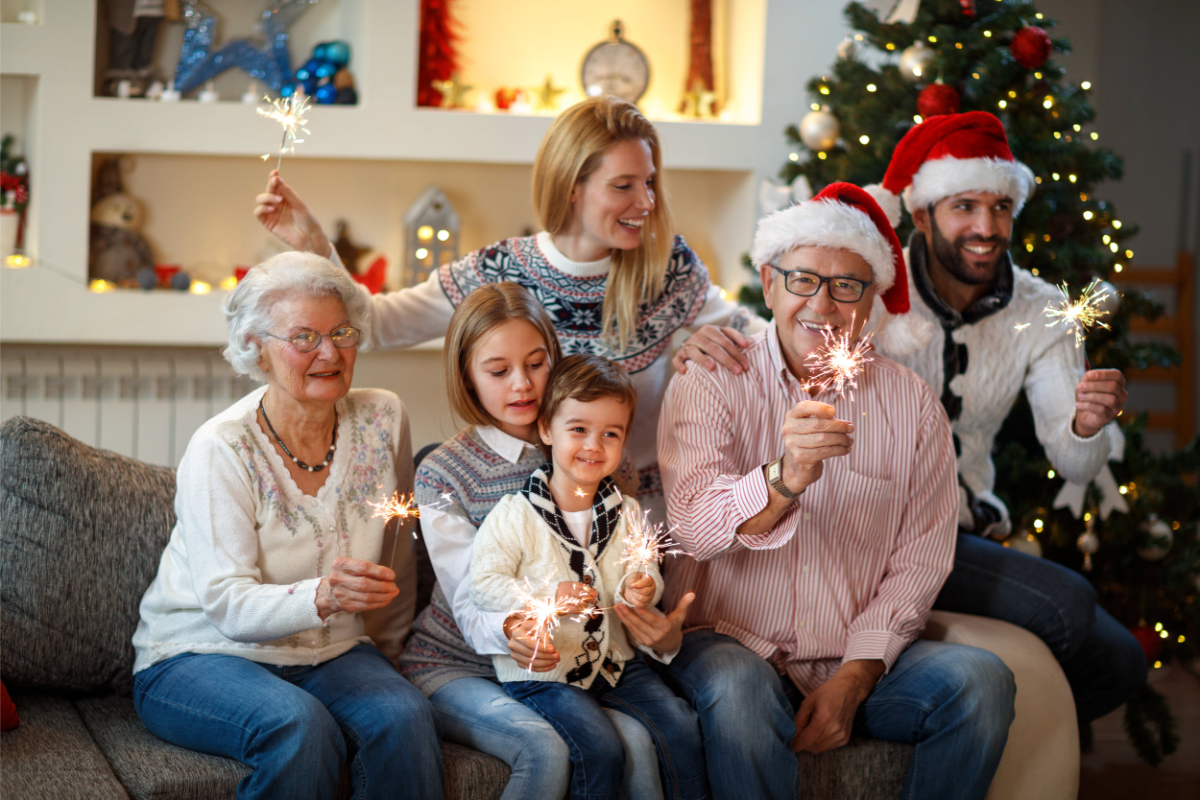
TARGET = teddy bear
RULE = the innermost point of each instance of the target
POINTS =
(118, 252)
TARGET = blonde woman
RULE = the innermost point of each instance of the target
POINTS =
(608, 266)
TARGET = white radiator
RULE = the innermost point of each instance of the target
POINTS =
(145, 403)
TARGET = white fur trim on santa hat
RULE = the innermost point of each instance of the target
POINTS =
(824, 223)
(948, 176)
(888, 202)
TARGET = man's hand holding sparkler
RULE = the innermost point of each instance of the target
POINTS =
(1099, 398)
(639, 590)
(281, 211)
(811, 434)
(355, 585)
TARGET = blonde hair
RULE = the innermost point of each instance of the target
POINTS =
(480, 313)
(571, 151)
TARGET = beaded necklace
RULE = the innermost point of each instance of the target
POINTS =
(298, 462)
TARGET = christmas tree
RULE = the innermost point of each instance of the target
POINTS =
(995, 55)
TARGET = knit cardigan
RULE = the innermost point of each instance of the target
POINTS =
(978, 362)
(526, 539)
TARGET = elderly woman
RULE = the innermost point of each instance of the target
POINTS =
(271, 632)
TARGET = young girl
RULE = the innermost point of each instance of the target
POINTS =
(565, 535)
(499, 350)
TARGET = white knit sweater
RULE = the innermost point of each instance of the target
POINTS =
(514, 544)
(1000, 360)
(239, 575)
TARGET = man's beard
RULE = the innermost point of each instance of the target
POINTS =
(949, 255)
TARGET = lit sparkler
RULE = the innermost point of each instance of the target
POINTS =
(288, 112)
(1020, 326)
(397, 506)
(1082, 314)
(839, 361)
(579, 492)
(646, 544)
(546, 612)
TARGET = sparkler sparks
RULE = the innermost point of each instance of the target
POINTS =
(1020, 326)
(1077, 317)
(396, 507)
(288, 112)
(546, 612)
(579, 492)
(646, 544)
(839, 361)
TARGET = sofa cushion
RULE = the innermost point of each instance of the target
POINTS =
(81, 534)
(52, 756)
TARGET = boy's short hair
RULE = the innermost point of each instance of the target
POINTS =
(480, 313)
(585, 377)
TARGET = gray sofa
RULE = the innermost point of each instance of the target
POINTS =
(81, 533)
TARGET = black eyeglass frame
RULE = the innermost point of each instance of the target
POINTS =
(320, 338)
(821, 280)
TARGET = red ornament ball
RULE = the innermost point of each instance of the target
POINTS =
(1031, 47)
(1149, 639)
(937, 98)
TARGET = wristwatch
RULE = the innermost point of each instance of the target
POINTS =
(773, 472)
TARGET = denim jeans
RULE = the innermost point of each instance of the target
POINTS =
(295, 726)
(954, 703)
(477, 712)
(597, 754)
(1103, 663)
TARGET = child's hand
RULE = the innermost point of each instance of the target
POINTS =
(639, 590)
(578, 597)
(531, 652)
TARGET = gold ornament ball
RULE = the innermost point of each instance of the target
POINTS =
(1110, 299)
(819, 130)
(914, 63)
(1161, 538)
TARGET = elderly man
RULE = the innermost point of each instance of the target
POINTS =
(820, 526)
(964, 188)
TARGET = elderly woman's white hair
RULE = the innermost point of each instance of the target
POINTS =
(283, 277)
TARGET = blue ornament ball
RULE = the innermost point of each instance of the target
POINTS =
(320, 52)
(181, 281)
(338, 53)
(287, 90)
(327, 94)
(310, 86)
(326, 70)
(303, 74)
(147, 278)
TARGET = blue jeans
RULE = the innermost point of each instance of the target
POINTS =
(1103, 663)
(295, 726)
(954, 703)
(597, 754)
(476, 712)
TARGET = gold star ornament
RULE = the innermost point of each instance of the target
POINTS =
(453, 91)
(546, 96)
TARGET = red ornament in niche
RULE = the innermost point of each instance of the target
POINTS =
(937, 98)
(1031, 47)
(1149, 639)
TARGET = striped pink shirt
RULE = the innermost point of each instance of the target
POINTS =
(852, 569)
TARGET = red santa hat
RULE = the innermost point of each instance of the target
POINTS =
(845, 217)
(948, 154)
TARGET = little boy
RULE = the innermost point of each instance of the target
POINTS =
(565, 532)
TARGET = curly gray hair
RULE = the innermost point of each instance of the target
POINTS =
(248, 307)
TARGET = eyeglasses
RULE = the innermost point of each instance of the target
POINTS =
(807, 284)
(307, 341)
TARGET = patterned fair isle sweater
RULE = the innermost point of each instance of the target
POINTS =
(466, 477)
(573, 293)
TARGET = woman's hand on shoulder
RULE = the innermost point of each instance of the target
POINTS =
(711, 346)
(355, 585)
(281, 211)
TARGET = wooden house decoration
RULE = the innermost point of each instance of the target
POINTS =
(431, 232)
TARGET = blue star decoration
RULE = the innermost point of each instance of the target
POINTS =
(268, 61)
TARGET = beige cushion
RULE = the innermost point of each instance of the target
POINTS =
(1041, 759)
